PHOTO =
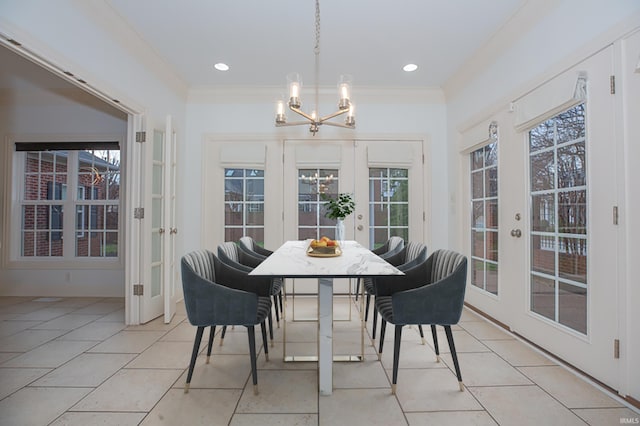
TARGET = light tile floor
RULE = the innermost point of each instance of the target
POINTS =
(73, 361)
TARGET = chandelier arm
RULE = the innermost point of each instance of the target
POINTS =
(334, 124)
(330, 116)
(302, 113)
(294, 123)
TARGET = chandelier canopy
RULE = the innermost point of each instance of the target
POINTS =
(345, 106)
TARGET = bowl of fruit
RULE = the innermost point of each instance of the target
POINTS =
(324, 247)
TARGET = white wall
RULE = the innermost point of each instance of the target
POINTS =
(569, 31)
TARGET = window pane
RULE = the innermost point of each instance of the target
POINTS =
(477, 249)
(570, 125)
(477, 273)
(492, 214)
(571, 165)
(477, 159)
(232, 214)
(572, 307)
(399, 214)
(491, 155)
(491, 238)
(378, 173)
(543, 212)
(542, 171)
(491, 182)
(398, 191)
(543, 254)
(491, 277)
(477, 212)
(572, 259)
(255, 214)
(543, 296)
(542, 136)
(379, 214)
(572, 212)
(477, 185)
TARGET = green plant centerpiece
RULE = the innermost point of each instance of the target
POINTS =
(339, 208)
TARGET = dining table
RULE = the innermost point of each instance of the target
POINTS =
(294, 260)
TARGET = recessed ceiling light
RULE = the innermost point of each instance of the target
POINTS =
(410, 67)
(221, 66)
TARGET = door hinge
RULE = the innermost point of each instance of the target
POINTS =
(422, 158)
(138, 290)
(612, 84)
(138, 213)
(141, 137)
(424, 216)
(615, 215)
(616, 348)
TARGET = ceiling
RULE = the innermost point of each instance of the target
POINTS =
(262, 41)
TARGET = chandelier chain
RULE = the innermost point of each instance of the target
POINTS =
(316, 50)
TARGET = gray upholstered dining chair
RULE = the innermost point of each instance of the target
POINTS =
(230, 254)
(392, 246)
(248, 245)
(216, 294)
(235, 255)
(430, 293)
(408, 257)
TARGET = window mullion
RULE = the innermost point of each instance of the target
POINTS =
(69, 207)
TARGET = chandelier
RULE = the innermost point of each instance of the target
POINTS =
(314, 120)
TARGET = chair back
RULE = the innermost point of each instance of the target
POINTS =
(201, 262)
(229, 249)
(444, 263)
(217, 294)
(247, 242)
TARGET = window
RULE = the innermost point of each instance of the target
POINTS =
(484, 217)
(51, 172)
(244, 204)
(558, 190)
(312, 222)
(388, 204)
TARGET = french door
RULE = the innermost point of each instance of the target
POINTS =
(558, 236)
(159, 274)
(386, 179)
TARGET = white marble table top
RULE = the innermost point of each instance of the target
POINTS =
(291, 261)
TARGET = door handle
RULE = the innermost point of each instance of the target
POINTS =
(161, 231)
(173, 231)
(360, 227)
(516, 233)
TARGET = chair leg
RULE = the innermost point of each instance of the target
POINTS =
(383, 327)
(452, 347)
(194, 355)
(375, 322)
(251, 330)
(434, 334)
(275, 307)
(366, 307)
(396, 357)
(210, 345)
(224, 332)
(270, 327)
(357, 288)
(424, 342)
(263, 329)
